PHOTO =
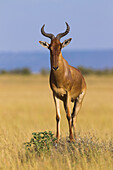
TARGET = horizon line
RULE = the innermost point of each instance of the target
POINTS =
(70, 50)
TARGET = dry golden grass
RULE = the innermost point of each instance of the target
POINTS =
(26, 106)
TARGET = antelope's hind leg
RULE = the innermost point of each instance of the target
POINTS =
(67, 108)
(76, 109)
(57, 106)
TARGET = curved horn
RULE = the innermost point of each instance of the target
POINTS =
(60, 35)
(51, 36)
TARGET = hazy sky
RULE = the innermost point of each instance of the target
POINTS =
(91, 23)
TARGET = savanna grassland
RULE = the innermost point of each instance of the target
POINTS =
(26, 106)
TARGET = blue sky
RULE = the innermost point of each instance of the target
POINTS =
(91, 23)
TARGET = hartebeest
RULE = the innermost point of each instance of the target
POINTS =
(66, 82)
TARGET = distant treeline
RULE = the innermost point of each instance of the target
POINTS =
(24, 71)
(89, 71)
(84, 71)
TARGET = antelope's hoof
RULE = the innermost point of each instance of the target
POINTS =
(72, 139)
(57, 140)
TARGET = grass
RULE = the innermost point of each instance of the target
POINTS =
(26, 106)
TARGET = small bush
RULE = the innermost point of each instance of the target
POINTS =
(44, 72)
(85, 71)
(3, 72)
(40, 143)
(26, 71)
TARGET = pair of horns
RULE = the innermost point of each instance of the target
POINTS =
(51, 36)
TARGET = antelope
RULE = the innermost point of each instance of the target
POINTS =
(66, 82)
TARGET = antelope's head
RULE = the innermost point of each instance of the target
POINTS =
(55, 46)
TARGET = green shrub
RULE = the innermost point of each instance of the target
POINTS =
(44, 72)
(3, 72)
(40, 143)
(85, 71)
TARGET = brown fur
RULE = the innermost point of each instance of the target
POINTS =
(67, 84)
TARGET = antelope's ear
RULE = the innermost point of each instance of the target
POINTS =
(66, 42)
(44, 44)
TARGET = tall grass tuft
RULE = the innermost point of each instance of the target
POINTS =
(85, 151)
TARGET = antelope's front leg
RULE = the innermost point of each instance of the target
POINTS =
(69, 117)
(57, 106)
